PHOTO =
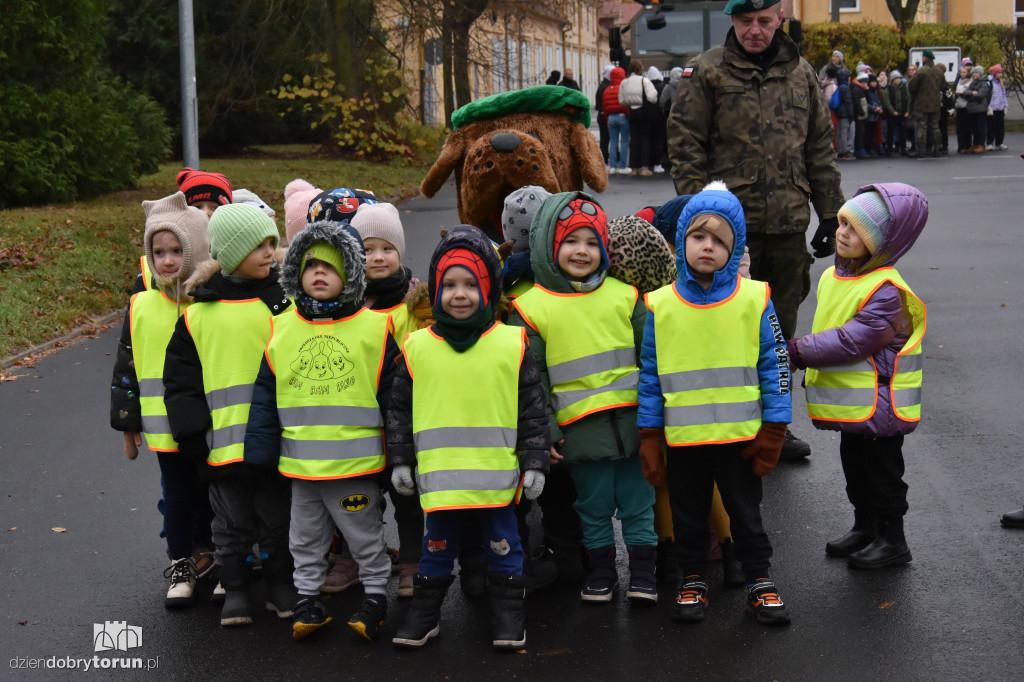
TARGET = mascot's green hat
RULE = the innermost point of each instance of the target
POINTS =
(572, 103)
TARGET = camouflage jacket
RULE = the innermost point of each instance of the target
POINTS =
(926, 89)
(766, 133)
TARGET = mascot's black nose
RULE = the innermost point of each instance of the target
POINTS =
(505, 143)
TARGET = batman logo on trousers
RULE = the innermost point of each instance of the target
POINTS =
(354, 503)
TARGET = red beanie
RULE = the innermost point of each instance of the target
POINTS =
(199, 185)
(582, 213)
(465, 258)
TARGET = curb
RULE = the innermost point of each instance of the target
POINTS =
(70, 337)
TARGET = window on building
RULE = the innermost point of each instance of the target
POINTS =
(848, 5)
(527, 71)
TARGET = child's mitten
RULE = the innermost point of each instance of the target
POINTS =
(533, 484)
(765, 448)
(652, 458)
(401, 478)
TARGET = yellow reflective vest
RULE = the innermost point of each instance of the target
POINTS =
(465, 418)
(146, 273)
(707, 364)
(849, 393)
(590, 347)
(230, 337)
(327, 375)
(153, 317)
(402, 320)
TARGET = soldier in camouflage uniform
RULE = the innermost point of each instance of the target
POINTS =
(750, 113)
(926, 98)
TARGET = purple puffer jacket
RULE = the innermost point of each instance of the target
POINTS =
(882, 326)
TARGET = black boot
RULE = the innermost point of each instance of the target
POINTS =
(423, 620)
(507, 619)
(236, 576)
(732, 571)
(793, 448)
(888, 549)
(539, 574)
(863, 533)
(602, 578)
(643, 586)
(1013, 519)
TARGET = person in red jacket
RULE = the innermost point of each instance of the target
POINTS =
(618, 125)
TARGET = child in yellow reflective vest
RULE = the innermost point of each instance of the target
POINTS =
(585, 330)
(714, 385)
(864, 365)
(176, 243)
(317, 416)
(466, 428)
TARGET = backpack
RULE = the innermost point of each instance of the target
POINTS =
(833, 102)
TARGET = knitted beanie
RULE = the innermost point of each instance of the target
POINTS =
(328, 254)
(185, 222)
(577, 214)
(200, 185)
(297, 195)
(995, 68)
(463, 257)
(235, 232)
(639, 255)
(868, 215)
(714, 224)
(894, 74)
(517, 214)
(338, 205)
(244, 196)
(978, 70)
(381, 221)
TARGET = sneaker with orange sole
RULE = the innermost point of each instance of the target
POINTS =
(764, 602)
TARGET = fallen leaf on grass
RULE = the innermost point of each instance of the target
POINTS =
(7, 377)
(59, 529)
(886, 604)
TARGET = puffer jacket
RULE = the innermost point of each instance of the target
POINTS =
(636, 90)
(263, 432)
(604, 435)
(610, 97)
(978, 95)
(882, 326)
(184, 396)
(776, 401)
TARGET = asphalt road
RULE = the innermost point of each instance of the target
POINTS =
(955, 612)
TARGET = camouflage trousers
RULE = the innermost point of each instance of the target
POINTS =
(784, 262)
(926, 125)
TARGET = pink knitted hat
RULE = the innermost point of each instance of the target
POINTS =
(297, 195)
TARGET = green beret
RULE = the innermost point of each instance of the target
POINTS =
(742, 6)
(541, 98)
(929, 54)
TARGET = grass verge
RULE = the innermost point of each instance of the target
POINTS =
(64, 266)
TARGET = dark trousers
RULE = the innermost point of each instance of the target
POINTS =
(963, 129)
(249, 509)
(894, 133)
(943, 130)
(445, 535)
(859, 136)
(560, 521)
(692, 473)
(185, 506)
(640, 139)
(874, 475)
(783, 261)
(996, 128)
(979, 124)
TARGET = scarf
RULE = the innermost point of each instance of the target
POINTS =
(462, 334)
(390, 291)
(589, 284)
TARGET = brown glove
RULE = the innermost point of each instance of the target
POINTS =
(652, 455)
(765, 448)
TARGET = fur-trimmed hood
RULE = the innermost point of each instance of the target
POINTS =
(344, 239)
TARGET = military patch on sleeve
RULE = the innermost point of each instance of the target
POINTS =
(688, 71)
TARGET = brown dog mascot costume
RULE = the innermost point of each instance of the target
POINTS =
(536, 136)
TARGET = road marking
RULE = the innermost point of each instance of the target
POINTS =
(989, 177)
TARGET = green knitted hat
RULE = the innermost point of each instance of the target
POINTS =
(541, 98)
(328, 254)
(235, 231)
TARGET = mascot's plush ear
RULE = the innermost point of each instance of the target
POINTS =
(587, 154)
(451, 157)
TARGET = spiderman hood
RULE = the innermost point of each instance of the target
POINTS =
(558, 215)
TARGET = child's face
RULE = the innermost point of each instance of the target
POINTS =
(580, 253)
(706, 254)
(167, 254)
(382, 259)
(259, 261)
(321, 281)
(460, 295)
(848, 242)
(207, 206)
